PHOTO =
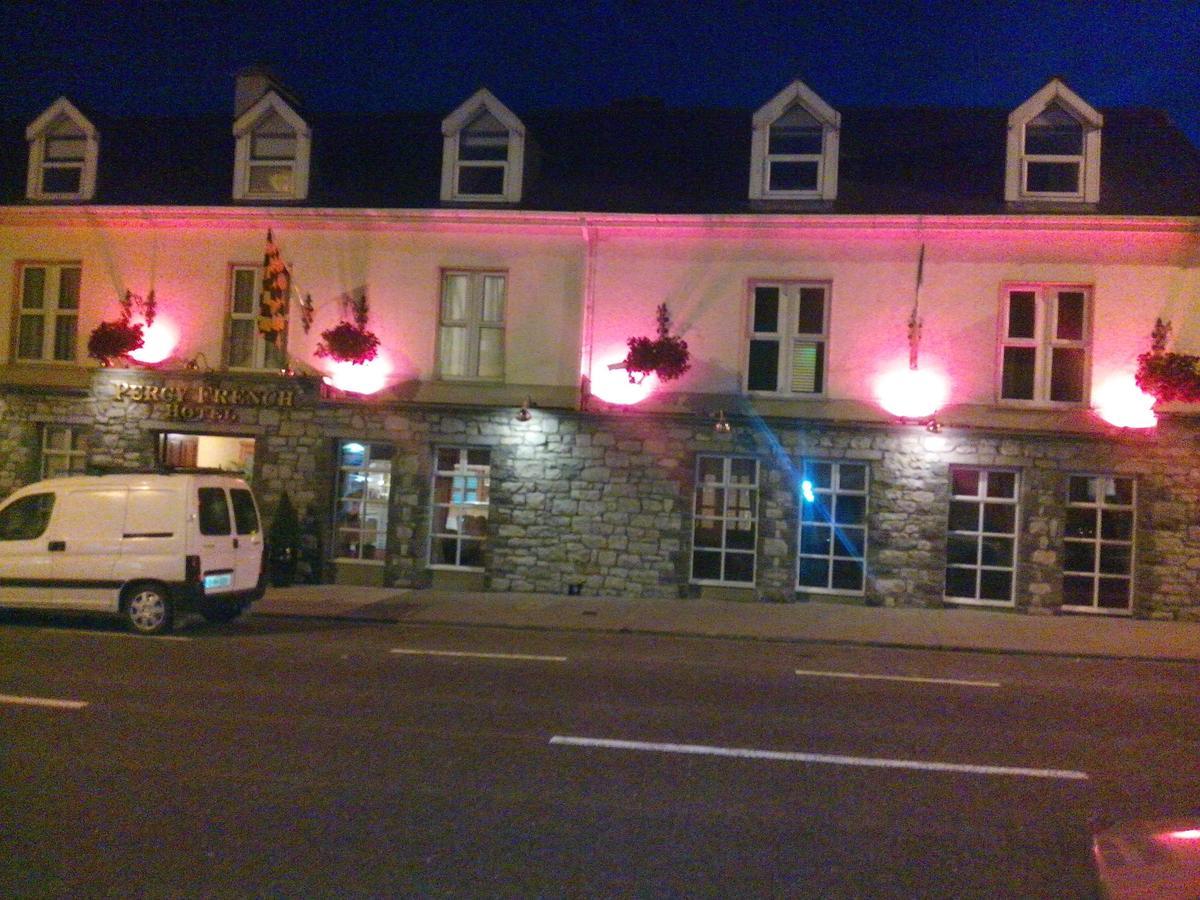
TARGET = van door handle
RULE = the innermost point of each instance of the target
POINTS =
(57, 546)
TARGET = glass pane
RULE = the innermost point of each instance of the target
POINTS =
(764, 366)
(710, 469)
(33, 290)
(739, 567)
(1080, 523)
(493, 299)
(454, 298)
(849, 542)
(470, 553)
(1000, 518)
(766, 309)
(272, 146)
(798, 175)
(706, 565)
(1017, 380)
(815, 510)
(847, 575)
(795, 133)
(1066, 374)
(68, 289)
(243, 291)
(29, 341)
(62, 179)
(1022, 314)
(452, 350)
(811, 317)
(707, 533)
(1077, 591)
(965, 482)
(1070, 316)
(995, 585)
(353, 454)
(491, 353)
(964, 516)
(479, 456)
(271, 179)
(441, 523)
(1114, 593)
(64, 337)
(820, 474)
(850, 509)
(962, 549)
(245, 516)
(480, 179)
(447, 458)
(1116, 525)
(445, 551)
(1081, 489)
(66, 148)
(1120, 491)
(1002, 484)
(808, 363)
(214, 511)
(741, 536)
(241, 344)
(813, 573)
(960, 583)
(814, 540)
(710, 501)
(1054, 132)
(491, 147)
(852, 477)
(1052, 178)
(1116, 559)
(996, 551)
(743, 471)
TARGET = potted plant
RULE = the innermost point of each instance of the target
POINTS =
(283, 542)
(116, 338)
(1168, 376)
(666, 355)
(350, 341)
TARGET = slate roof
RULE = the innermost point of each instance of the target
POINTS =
(637, 158)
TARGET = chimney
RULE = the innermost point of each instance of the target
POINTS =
(249, 86)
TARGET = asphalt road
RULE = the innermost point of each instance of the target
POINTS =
(289, 757)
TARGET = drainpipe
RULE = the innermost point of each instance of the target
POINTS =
(589, 313)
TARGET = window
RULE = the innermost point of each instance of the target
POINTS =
(273, 148)
(272, 158)
(63, 158)
(1046, 342)
(63, 154)
(363, 492)
(1098, 543)
(471, 326)
(725, 520)
(461, 487)
(49, 313)
(833, 527)
(214, 511)
(794, 152)
(482, 157)
(64, 451)
(245, 516)
(982, 536)
(248, 348)
(483, 152)
(788, 323)
(26, 519)
(1053, 162)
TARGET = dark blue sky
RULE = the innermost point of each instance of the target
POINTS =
(160, 57)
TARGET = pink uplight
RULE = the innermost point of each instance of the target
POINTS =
(158, 341)
(614, 386)
(912, 393)
(1120, 402)
(1187, 834)
(367, 378)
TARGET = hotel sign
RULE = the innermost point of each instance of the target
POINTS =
(203, 403)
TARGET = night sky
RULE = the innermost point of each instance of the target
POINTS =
(161, 57)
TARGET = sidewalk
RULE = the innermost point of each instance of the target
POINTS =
(944, 629)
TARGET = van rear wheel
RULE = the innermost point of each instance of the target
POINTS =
(148, 609)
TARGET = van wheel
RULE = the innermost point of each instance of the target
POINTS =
(148, 609)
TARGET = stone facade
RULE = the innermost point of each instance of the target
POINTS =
(603, 499)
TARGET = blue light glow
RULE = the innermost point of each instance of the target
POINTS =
(806, 491)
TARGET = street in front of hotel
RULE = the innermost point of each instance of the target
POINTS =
(355, 751)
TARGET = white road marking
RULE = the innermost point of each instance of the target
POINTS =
(744, 753)
(815, 673)
(42, 701)
(525, 656)
(117, 634)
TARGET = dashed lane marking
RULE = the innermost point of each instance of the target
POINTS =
(863, 676)
(464, 653)
(42, 701)
(827, 759)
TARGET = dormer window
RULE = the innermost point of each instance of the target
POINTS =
(1054, 148)
(272, 155)
(794, 149)
(63, 152)
(483, 152)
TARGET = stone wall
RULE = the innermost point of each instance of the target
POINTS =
(604, 500)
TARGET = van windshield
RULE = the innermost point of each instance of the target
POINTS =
(214, 511)
(26, 518)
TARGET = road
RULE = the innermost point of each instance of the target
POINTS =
(299, 757)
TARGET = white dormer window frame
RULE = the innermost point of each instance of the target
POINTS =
(469, 156)
(1024, 159)
(256, 151)
(770, 159)
(72, 155)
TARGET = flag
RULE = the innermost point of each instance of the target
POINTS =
(273, 301)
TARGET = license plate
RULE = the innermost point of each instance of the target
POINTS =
(218, 581)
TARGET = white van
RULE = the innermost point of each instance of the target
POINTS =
(143, 545)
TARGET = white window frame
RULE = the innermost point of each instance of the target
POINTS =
(49, 312)
(1017, 160)
(261, 352)
(788, 340)
(829, 497)
(727, 519)
(462, 471)
(473, 324)
(514, 163)
(363, 495)
(38, 135)
(1098, 507)
(1045, 341)
(830, 120)
(72, 456)
(980, 534)
(244, 129)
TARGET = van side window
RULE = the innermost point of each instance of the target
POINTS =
(245, 516)
(214, 511)
(26, 518)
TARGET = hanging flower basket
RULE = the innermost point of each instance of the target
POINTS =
(116, 338)
(1168, 377)
(666, 356)
(350, 341)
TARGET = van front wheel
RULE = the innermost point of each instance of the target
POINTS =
(148, 609)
